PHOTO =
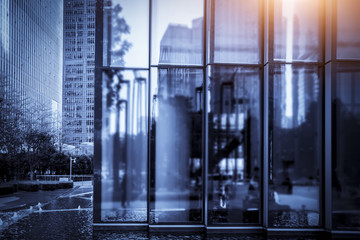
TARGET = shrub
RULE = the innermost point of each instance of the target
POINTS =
(64, 185)
(29, 187)
(7, 189)
(46, 186)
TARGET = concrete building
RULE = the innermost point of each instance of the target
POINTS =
(78, 84)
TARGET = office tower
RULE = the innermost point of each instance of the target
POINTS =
(31, 55)
(78, 84)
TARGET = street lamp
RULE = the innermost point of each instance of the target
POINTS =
(71, 160)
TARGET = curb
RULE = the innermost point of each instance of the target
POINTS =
(67, 192)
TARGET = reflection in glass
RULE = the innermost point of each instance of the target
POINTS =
(236, 34)
(126, 33)
(346, 164)
(124, 147)
(177, 32)
(176, 141)
(348, 28)
(294, 146)
(297, 30)
(234, 145)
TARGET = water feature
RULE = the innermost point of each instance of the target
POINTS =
(61, 219)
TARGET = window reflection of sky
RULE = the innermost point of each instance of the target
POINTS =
(138, 54)
(166, 12)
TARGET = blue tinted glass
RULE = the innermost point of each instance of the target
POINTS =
(124, 146)
(295, 153)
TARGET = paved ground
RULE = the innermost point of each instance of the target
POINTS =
(67, 214)
(58, 214)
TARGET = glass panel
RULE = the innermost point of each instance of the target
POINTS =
(234, 145)
(124, 147)
(295, 132)
(177, 32)
(297, 30)
(348, 28)
(346, 164)
(176, 142)
(236, 34)
(126, 33)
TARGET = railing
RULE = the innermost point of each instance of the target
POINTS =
(75, 178)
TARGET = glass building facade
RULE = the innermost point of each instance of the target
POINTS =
(31, 54)
(227, 114)
(79, 79)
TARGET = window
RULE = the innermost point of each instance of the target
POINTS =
(237, 114)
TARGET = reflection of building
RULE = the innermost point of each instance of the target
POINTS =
(85, 148)
(124, 143)
(78, 85)
(179, 119)
(304, 90)
(179, 102)
(296, 33)
(296, 144)
(236, 36)
(234, 117)
(31, 52)
(182, 44)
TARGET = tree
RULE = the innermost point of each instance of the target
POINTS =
(39, 150)
(28, 133)
(119, 27)
(59, 163)
(83, 165)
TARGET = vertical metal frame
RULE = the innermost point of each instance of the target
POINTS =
(265, 167)
(98, 111)
(263, 103)
(328, 145)
(211, 26)
(205, 127)
(268, 58)
(149, 100)
(329, 95)
(269, 31)
(322, 36)
(321, 74)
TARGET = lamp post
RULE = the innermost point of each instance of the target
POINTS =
(71, 160)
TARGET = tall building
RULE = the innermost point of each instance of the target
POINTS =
(31, 53)
(78, 84)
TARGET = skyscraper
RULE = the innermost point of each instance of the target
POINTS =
(31, 53)
(78, 84)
